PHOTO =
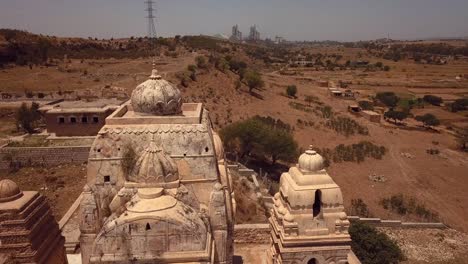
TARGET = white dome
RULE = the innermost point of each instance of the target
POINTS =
(311, 161)
(156, 96)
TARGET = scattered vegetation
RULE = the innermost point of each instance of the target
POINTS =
(353, 153)
(404, 205)
(372, 246)
(359, 208)
(346, 126)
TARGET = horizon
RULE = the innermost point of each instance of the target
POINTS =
(297, 20)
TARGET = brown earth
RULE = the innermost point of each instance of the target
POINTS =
(61, 185)
(438, 181)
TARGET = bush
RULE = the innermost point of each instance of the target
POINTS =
(291, 90)
(459, 105)
(359, 208)
(404, 205)
(372, 246)
(346, 126)
(428, 120)
(201, 62)
(433, 100)
(353, 153)
(366, 105)
(388, 98)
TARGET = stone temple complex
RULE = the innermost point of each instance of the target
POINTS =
(28, 231)
(308, 223)
(158, 190)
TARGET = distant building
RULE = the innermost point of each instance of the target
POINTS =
(279, 40)
(78, 118)
(254, 33)
(236, 34)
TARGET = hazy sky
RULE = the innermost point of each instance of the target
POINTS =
(292, 19)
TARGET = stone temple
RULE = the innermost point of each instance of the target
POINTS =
(308, 222)
(158, 190)
(28, 231)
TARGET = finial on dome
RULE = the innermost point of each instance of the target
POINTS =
(311, 150)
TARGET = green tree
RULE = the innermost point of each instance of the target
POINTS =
(372, 246)
(388, 98)
(262, 137)
(253, 80)
(27, 117)
(291, 90)
(279, 144)
(396, 115)
(428, 120)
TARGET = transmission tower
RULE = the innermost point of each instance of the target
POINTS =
(151, 27)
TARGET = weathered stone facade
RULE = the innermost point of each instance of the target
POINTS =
(158, 189)
(308, 222)
(28, 231)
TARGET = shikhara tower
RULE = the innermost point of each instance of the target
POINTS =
(158, 189)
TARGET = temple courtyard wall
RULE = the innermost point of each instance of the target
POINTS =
(42, 156)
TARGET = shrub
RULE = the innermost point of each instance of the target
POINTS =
(404, 205)
(433, 100)
(428, 120)
(291, 90)
(201, 62)
(129, 158)
(366, 105)
(388, 98)
(459, 105)
(353, 153)
(359, 208)
(346, 126)
(372, 246)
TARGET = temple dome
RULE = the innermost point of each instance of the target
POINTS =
(156, 96)
(154, 166)
(9, 191)
(311, 161)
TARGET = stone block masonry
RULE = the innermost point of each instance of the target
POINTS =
(42, 156)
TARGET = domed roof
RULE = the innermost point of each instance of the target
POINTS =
(311, 161)
(154, 166)
(156, 96)
(9, 191)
